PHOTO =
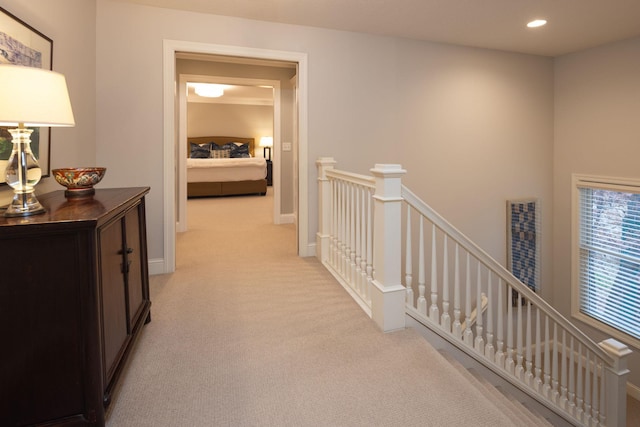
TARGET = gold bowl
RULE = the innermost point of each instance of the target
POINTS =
(79, 181)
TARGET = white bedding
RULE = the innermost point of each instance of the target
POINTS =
(224, 170)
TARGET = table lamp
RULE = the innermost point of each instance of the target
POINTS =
(266, 142)
(31, 97)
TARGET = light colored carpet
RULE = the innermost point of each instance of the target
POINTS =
(245, 333)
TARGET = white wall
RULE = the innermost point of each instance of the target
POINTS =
(209, 119)
(453, 116)
(597, 132)
(71, 26)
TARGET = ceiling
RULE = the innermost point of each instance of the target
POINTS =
(573, 25)
(236, 94)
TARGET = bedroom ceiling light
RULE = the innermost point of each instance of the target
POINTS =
(537, 23)
(32, 97)
(209, 90)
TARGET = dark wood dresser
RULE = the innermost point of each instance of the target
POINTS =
(74, 295)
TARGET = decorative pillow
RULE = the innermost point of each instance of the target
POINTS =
(199, 151)
(220, 154)
(240, 150)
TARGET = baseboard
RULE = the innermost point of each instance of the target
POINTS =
(311, 250)
(156, 266)
(633, 391)
(287, 218)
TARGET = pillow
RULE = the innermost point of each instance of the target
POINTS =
(240, 150)
(220, 153)
(237, 149)
(199, 151)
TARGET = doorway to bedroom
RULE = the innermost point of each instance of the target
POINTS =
(254, 101)
(297, 168)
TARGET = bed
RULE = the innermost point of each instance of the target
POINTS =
(224, 166)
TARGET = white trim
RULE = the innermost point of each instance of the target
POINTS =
(633, 391)
(170, 47)
(287, 219)
(156, 266)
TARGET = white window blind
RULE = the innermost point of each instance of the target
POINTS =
(609, 255)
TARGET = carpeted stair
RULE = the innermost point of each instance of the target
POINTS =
(507, 403)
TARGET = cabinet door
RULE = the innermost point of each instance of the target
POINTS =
(135, 278)
(114, 314)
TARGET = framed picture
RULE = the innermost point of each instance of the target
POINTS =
(21, 44)
(523, 243)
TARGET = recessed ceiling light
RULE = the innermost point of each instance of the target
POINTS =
(537, 23)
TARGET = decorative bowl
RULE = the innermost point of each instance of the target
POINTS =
(79, 181)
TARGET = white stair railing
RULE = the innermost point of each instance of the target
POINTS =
(360, 240)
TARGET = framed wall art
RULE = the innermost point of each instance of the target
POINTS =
(523, 243)
(21, 44)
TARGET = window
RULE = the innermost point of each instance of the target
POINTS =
(607, 253)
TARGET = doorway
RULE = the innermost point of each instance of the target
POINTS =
(170, 142)
(246, 122)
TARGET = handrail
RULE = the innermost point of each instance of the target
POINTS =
(502, 272)
(526, 341)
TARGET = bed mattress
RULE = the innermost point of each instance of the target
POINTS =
(226, 170)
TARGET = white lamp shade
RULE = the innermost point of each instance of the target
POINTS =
(266, 141)
(33, 97)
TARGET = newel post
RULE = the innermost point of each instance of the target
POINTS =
(616, 383)
(323, 235)
(387, 292)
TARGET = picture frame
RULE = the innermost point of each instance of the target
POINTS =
(21, 44)
(523, 243)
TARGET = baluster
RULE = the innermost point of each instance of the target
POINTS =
(434, 312)
(479, 343)
(572, 391)
(468, 333)
(519, 370)
(363, 242)
(358, 241)
(587, 389)
(563, 371)
(343, 245)
(408, 267)
(537, 382)
(579, 387)
(457, 326)
(546, 388)
(352, 238)
(509, 362)
(334, 222)
(369, 246)
(500, 356)
(554, 366)
(446, 319)
(331, 223)
(489, 350)
(347, 248)
(595, 402)
(422, 302)
(603, 396)
(528, 376)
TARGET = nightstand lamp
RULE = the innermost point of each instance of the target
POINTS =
(266, 142)
(30, 97)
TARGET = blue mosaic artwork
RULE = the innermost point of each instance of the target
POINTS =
(524, 244)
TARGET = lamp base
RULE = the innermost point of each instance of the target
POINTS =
(22, 174)
(24, 204)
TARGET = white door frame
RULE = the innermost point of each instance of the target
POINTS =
(183, 79)
(170, 134)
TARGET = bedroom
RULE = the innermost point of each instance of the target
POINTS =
(256, 102)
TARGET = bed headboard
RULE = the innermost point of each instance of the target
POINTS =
(221, 140)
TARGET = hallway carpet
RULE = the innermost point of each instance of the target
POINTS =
(246, 333)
